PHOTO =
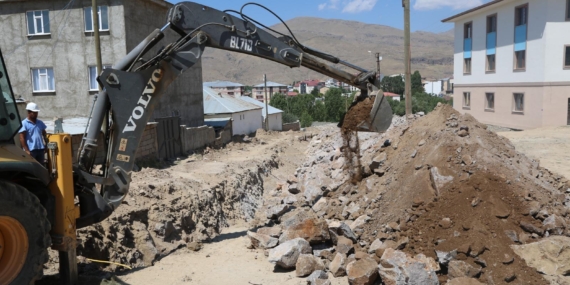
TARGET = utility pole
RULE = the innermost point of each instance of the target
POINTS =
(407, 62)
(378, 59)
(95, 16)
(266, 107)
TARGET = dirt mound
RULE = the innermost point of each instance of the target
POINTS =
(443, 182)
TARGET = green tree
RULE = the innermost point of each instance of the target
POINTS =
(279, 101)
(417, 86)
(319, 113)
(334, 104)
(306, 120)
(393, 84)
(289, 118)
(315, 92)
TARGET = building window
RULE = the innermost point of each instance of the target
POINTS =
(521, 15)
(518, 102)
(93, 85)
(567, 56)
(466, 100)
(490, 101)
(231, 93)
(491, 42)
(520, 59)
(43, 80)
(491, 62)
(103, 12)
(38, 22)
(468, 30)
(567, 10)
(467, 66)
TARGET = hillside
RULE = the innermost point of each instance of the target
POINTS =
(432, 54)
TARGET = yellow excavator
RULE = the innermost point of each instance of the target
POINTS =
(42, 207)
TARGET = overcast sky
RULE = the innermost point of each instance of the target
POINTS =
(426, 15)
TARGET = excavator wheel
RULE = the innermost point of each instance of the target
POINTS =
(24, 235)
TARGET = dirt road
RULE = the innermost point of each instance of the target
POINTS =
(551, 146)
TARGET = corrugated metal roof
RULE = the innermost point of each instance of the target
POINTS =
(271, 84)
(215, 103)
(272, 110)
(222, 84)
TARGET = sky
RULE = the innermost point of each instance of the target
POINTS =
(426, 15)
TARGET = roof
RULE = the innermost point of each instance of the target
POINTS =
(471, 11)
(308, 82)
(272, 110)
(220, 84)
(271, 84)
(390, 94)
(214, 103)
(217, 122)
(292, 93)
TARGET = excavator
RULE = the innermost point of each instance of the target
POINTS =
(42, 207)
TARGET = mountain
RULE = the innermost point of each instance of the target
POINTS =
(432, 54)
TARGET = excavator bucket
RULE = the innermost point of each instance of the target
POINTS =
(368, 113)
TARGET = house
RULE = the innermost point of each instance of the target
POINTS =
(258, 91)
(512, 63)
(274, 114)
(307, 86)
(49, 50)
(246, 117)
(394, 96)
(434, 87)
(227, 88)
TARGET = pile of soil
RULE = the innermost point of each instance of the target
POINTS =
(444, 182)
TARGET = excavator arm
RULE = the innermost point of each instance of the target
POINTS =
(134, 85)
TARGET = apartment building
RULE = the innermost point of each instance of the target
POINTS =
(512, 63)
(307, 86)
(258, 91)
(229, 88)
(49, 49)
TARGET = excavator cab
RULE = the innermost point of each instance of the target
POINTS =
(9, 119)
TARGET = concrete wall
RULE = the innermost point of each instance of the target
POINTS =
(69, 50)
(275, 122)
(196, 137)
(184, 95)
(296, 126)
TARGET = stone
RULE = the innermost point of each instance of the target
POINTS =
(530, 228)
(419, 166)
(463, 133)
(338, 265)
(323, 250)
(293, 188)
(533, 208)
(377, 243)
(385, 245)
(402, 242)
(274, 231)
(286, 254)
(290, 199)
(458, 268)
(344, 245)
(194, 246)
(304, 224)
(317, 276)
(360, 255)
(277, 211)
(445, 223)
(554, 224)
(444, 257)
(439, 181)
(512, 235)
(350, 209)
(549, 256)
(359, 222)
(508, 259)
(397, 268)
(414, 153)
(422, 142)
(510, 276)
(262, 241)
(464, 281)
(307, 264)
(321, 204)
(480, 261)
(378, 160)
(393, 227)
(475, 202)
(292, 179)
(342, 229)
(362, 272)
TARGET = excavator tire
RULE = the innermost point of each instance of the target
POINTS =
(24, 235)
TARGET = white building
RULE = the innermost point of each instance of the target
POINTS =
(512, 63)
(274, 114)
(258, 91)
(227, 88)
(246, 117)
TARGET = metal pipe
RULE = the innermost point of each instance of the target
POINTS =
(95, 16)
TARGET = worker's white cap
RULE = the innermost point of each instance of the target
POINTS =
(32, 107)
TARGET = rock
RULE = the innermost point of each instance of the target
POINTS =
(512, 235)
(463, 133)
(378, 160)
(376, 244)
(194, 246)
(274, 231)
(414, 153)
(475, 202)
(262, 241)
(359, 222)
(338, 265)
(321, 204)
(419, 166)
(306, 264)
(445, 223)
(362, 272)
(533, 208)
(401, 243)
(286, 254)
(344, 245)
(350, 209)
(396, 268)
(293, 188)
(444, 257)
(276, 211)
(439, 180)
(290, 199)
(393, 227)
(550, 256)
(385, 245)
(342, 229)
(417, 202)
(554, 224)
(464, 281)
(508, 259)
(317, 276)
(323, 250)
(422, 142)
(304, 224)
(480, 261)
(458, 268)
(528, 227)
(292, 179)
(510, 276)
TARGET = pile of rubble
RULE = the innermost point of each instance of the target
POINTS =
(440, 200)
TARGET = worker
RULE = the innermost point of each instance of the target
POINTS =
(32, 134)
